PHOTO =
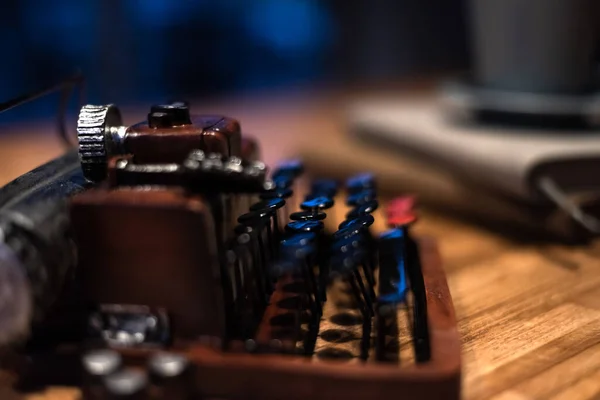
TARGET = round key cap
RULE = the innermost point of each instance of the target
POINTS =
(281, 193)
(317, 203)
(360, 182)
(360, 198)
(366, 208)
(252, 217)
(307, 216)
(304, 226)
(269, 204)
(353, 227)
(365, 220)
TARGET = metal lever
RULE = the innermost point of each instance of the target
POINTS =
(560, 198)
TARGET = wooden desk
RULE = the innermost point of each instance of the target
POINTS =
(529, 311)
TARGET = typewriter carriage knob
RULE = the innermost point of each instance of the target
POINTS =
(100, 132)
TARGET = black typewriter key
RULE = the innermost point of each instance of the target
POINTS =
(301, 251)
(366, 208)
(130, 384)
(304, 226)
(280, 193)
(360, 198)
(249, 244)
(353, 226)
(253, 270)
(364, 221)
(360, 182)
(97, 364)
(256, 220)
(307, 216)
(271, 205)
(170, 374)
(317, 203)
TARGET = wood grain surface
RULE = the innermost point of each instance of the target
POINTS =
(528, 309)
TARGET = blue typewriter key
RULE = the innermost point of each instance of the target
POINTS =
(304, 226)
(363, 220)
(366, 208)
(307, 216)
(283, 181)
(317, 203)
(360, 182)
(293, 167)
(360, 198)
(324, 187)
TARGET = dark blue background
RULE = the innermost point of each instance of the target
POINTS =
(148, 50)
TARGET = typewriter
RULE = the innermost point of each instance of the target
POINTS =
(164, 260)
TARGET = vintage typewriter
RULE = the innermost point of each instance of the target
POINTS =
(164, 260)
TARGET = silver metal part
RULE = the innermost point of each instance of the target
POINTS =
(101, 362)
(126, 382)
(100, 132)
(121, 325)
(168, 364)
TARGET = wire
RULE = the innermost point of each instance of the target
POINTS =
(66, 88)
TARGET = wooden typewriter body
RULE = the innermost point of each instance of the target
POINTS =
(187, 247)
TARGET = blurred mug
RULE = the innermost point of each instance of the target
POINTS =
(539, 46)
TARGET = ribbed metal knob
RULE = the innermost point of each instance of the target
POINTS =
(99, 133)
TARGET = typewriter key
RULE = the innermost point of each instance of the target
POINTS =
(304, 226)
(360, 182)
(271, 206)
(317, 203)
(307, 216)
(353, 226)
(366, 208)
(281, 193)
(323, 187)
(360, 198)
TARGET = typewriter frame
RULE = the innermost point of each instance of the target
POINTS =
(235, 375)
